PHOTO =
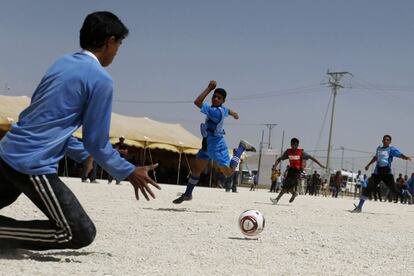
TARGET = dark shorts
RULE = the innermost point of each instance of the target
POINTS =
(376, 179)
(215, 149)
(291, 179)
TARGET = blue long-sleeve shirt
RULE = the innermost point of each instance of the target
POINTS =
(75, 91)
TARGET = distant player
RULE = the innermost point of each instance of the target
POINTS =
(382, 172)
(75, 91)
(213, 146)
(296, 158)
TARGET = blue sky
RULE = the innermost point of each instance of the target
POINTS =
(271, 57)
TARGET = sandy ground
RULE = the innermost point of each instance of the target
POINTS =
(311, 236)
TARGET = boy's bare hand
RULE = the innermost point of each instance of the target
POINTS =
(140, 179)
(212, 85)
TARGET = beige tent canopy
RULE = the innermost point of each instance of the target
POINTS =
(140, 132)
(10, 108)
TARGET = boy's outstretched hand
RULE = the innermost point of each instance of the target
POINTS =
(140, 179)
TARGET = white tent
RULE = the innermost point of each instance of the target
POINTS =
(268, 158)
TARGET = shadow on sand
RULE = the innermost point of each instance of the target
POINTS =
(42, 256)
(243, 239)
(269, 203)
(181, 210)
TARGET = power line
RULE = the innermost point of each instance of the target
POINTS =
(314, 88)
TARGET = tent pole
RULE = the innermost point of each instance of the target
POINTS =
(145, 154)
(188, 164)
(179, 168)
(211, 172)
(152, 163)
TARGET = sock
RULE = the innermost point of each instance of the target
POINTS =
(236, 157)
(192, 182)
(361, 203)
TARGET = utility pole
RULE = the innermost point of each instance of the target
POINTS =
(406, 167)
(342, 158)
(270, 127)
(260, 158)
(334, 83)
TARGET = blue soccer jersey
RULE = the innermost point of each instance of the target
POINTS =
(75, 91)
(216, 145)
(214, 118)
(385, 156)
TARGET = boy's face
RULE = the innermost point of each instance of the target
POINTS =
(217, 99)
(386, 141)
(294, 145)
(110, 49)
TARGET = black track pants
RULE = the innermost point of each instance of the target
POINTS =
(68, 225)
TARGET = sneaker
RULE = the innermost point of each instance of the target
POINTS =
(94, 181)
(182, 198)
(274, 200)
(356, 210)
(247, 146)
(293, 197)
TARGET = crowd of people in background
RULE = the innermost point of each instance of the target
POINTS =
(312, 184)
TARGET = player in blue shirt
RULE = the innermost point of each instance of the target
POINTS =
(213, 146)
(75, 91)
(382, 172)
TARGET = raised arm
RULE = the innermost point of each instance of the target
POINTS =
(200, 99)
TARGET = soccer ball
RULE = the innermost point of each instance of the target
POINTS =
(251, 222)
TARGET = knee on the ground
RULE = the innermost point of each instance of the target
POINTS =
(84, 236)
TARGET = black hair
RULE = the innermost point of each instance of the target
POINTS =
(221, 92)
(294, 140)
(387, 135)
(98, 27)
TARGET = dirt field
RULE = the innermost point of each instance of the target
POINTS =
(311, 236)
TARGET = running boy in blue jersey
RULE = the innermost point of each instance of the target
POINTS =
(75, 91)
(382, 172)
(213, 146)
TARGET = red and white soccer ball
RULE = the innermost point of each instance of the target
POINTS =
(251, 222)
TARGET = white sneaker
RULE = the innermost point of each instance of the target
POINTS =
(274, 200)
(247, 146)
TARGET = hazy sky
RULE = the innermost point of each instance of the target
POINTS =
(270, 56)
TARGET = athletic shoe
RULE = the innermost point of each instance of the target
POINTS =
(356, 210)
(247, 146)
(274, 200)
(293, 197)
(182, 198)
